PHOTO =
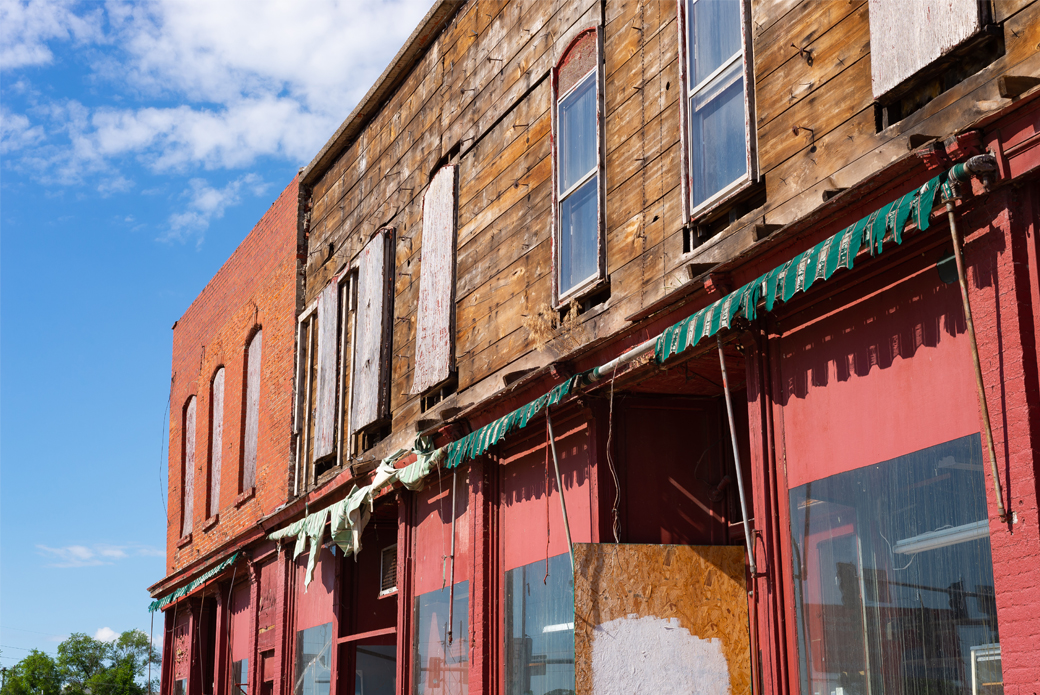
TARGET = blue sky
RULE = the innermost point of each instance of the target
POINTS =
(141, 141)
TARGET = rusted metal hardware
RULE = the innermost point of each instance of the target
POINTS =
(559, 486)
(736, 459)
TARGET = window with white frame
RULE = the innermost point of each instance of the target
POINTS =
(720, 157)
(578, 240)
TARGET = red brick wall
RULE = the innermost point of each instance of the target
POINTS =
(256, 288)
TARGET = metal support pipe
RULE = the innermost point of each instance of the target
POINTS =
(983, 406)
(736, 460)
(451, 580)
(638, 351)
(559, 486)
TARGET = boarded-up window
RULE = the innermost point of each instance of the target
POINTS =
(252, 415)
(906, 37)
(434, 334)
(216, 439)
(188, 459)
(372, 345)
(325, 396)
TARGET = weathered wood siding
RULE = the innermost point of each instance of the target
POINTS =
(480, 96)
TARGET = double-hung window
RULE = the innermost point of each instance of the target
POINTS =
(720, 153)
(578, 252)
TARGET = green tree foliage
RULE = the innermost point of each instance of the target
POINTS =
(86, 666)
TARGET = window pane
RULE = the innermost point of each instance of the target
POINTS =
(577, 146)
(240, 677)
(719, 150)
(375, 669)
(441, 668)
(540, 628)
(579, 235)
(180, 686)
(313, 652)
(893, 574)
(714, 27)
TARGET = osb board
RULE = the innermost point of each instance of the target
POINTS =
(660, 618)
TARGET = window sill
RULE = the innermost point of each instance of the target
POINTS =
(210, 522)
(186, 540)
(245, 496)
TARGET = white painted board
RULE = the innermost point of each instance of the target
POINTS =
(216, 440)
(253, 358)
(906, 37)
(371, 344)
(434, 334)
(189, 467)
(325, 398)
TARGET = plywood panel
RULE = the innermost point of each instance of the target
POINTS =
(216, 441)
(189, 467)
(370, 354)
(325, 395)
(434, 340)
(660, 619)
(253, 359)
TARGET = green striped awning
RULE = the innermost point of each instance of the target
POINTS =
(160, 603)
(805, 269)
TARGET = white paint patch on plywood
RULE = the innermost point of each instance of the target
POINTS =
(368, 402)
(216, 442)
(906, 37)
(189, 467)
(656, 655)
(325, 399)
(433, 333)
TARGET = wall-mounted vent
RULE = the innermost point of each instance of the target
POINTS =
(388, 570)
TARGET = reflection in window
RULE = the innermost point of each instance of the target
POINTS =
(180, 686)
(893, 575)
(441, 668)
(540, 628)
(313, 652)
(240, 677)
(375, 669)
(578, 185)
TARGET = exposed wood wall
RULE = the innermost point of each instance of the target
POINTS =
(481, 96)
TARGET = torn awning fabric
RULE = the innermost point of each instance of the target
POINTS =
(161, 603)
(805, 269)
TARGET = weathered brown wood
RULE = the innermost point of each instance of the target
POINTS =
(368, 401)
(801, 25)
(1011, 86)
(326, 368)
(1003, 9)
(434, 340)
(216, 440)
(646, 144)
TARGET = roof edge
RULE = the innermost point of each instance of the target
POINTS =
(395, 73)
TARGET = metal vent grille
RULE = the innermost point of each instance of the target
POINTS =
(388, 570)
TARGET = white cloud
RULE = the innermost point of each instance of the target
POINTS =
(206, 203)
(17, 132)
(27, 25)
(106, 634)
(211, 85)
(96, 554)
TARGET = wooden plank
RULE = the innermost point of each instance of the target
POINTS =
(838, 47)
(216, 440)
(660, 618)
(325, 388)
(254, 358)
(371, 353)
(188, 456)
(1003, 9)
(799, 26)
(434, 342)
(658, 135)
(908, 37)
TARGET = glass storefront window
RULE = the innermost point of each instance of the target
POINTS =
(180, 686)
(441, 668)
(313, 661)
(893, 575)
(540, 628)
(375, 669)
(240, 677)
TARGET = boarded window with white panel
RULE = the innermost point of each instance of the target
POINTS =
(252, 414)
(327, 359)
(907, 37)
(434, 332)
(188, 460)
(216, 439)
(369, 401)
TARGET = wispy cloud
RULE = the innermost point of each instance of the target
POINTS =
(17, 132)
(96, 554)
(26, 27)
(206, 203)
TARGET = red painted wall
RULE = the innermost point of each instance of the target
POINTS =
(314, 602)
(432, 539)
(256, 287)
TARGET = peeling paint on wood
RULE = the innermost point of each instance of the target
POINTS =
(369, 402)
(908, 36)
(325, 396)
(189, 466)
(253, 358)
(680, 603)
(216, 442)
(434, 341)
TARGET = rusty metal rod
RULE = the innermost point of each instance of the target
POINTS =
(983, 406)
(451, 580)
(736, 460)
(559, 485)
